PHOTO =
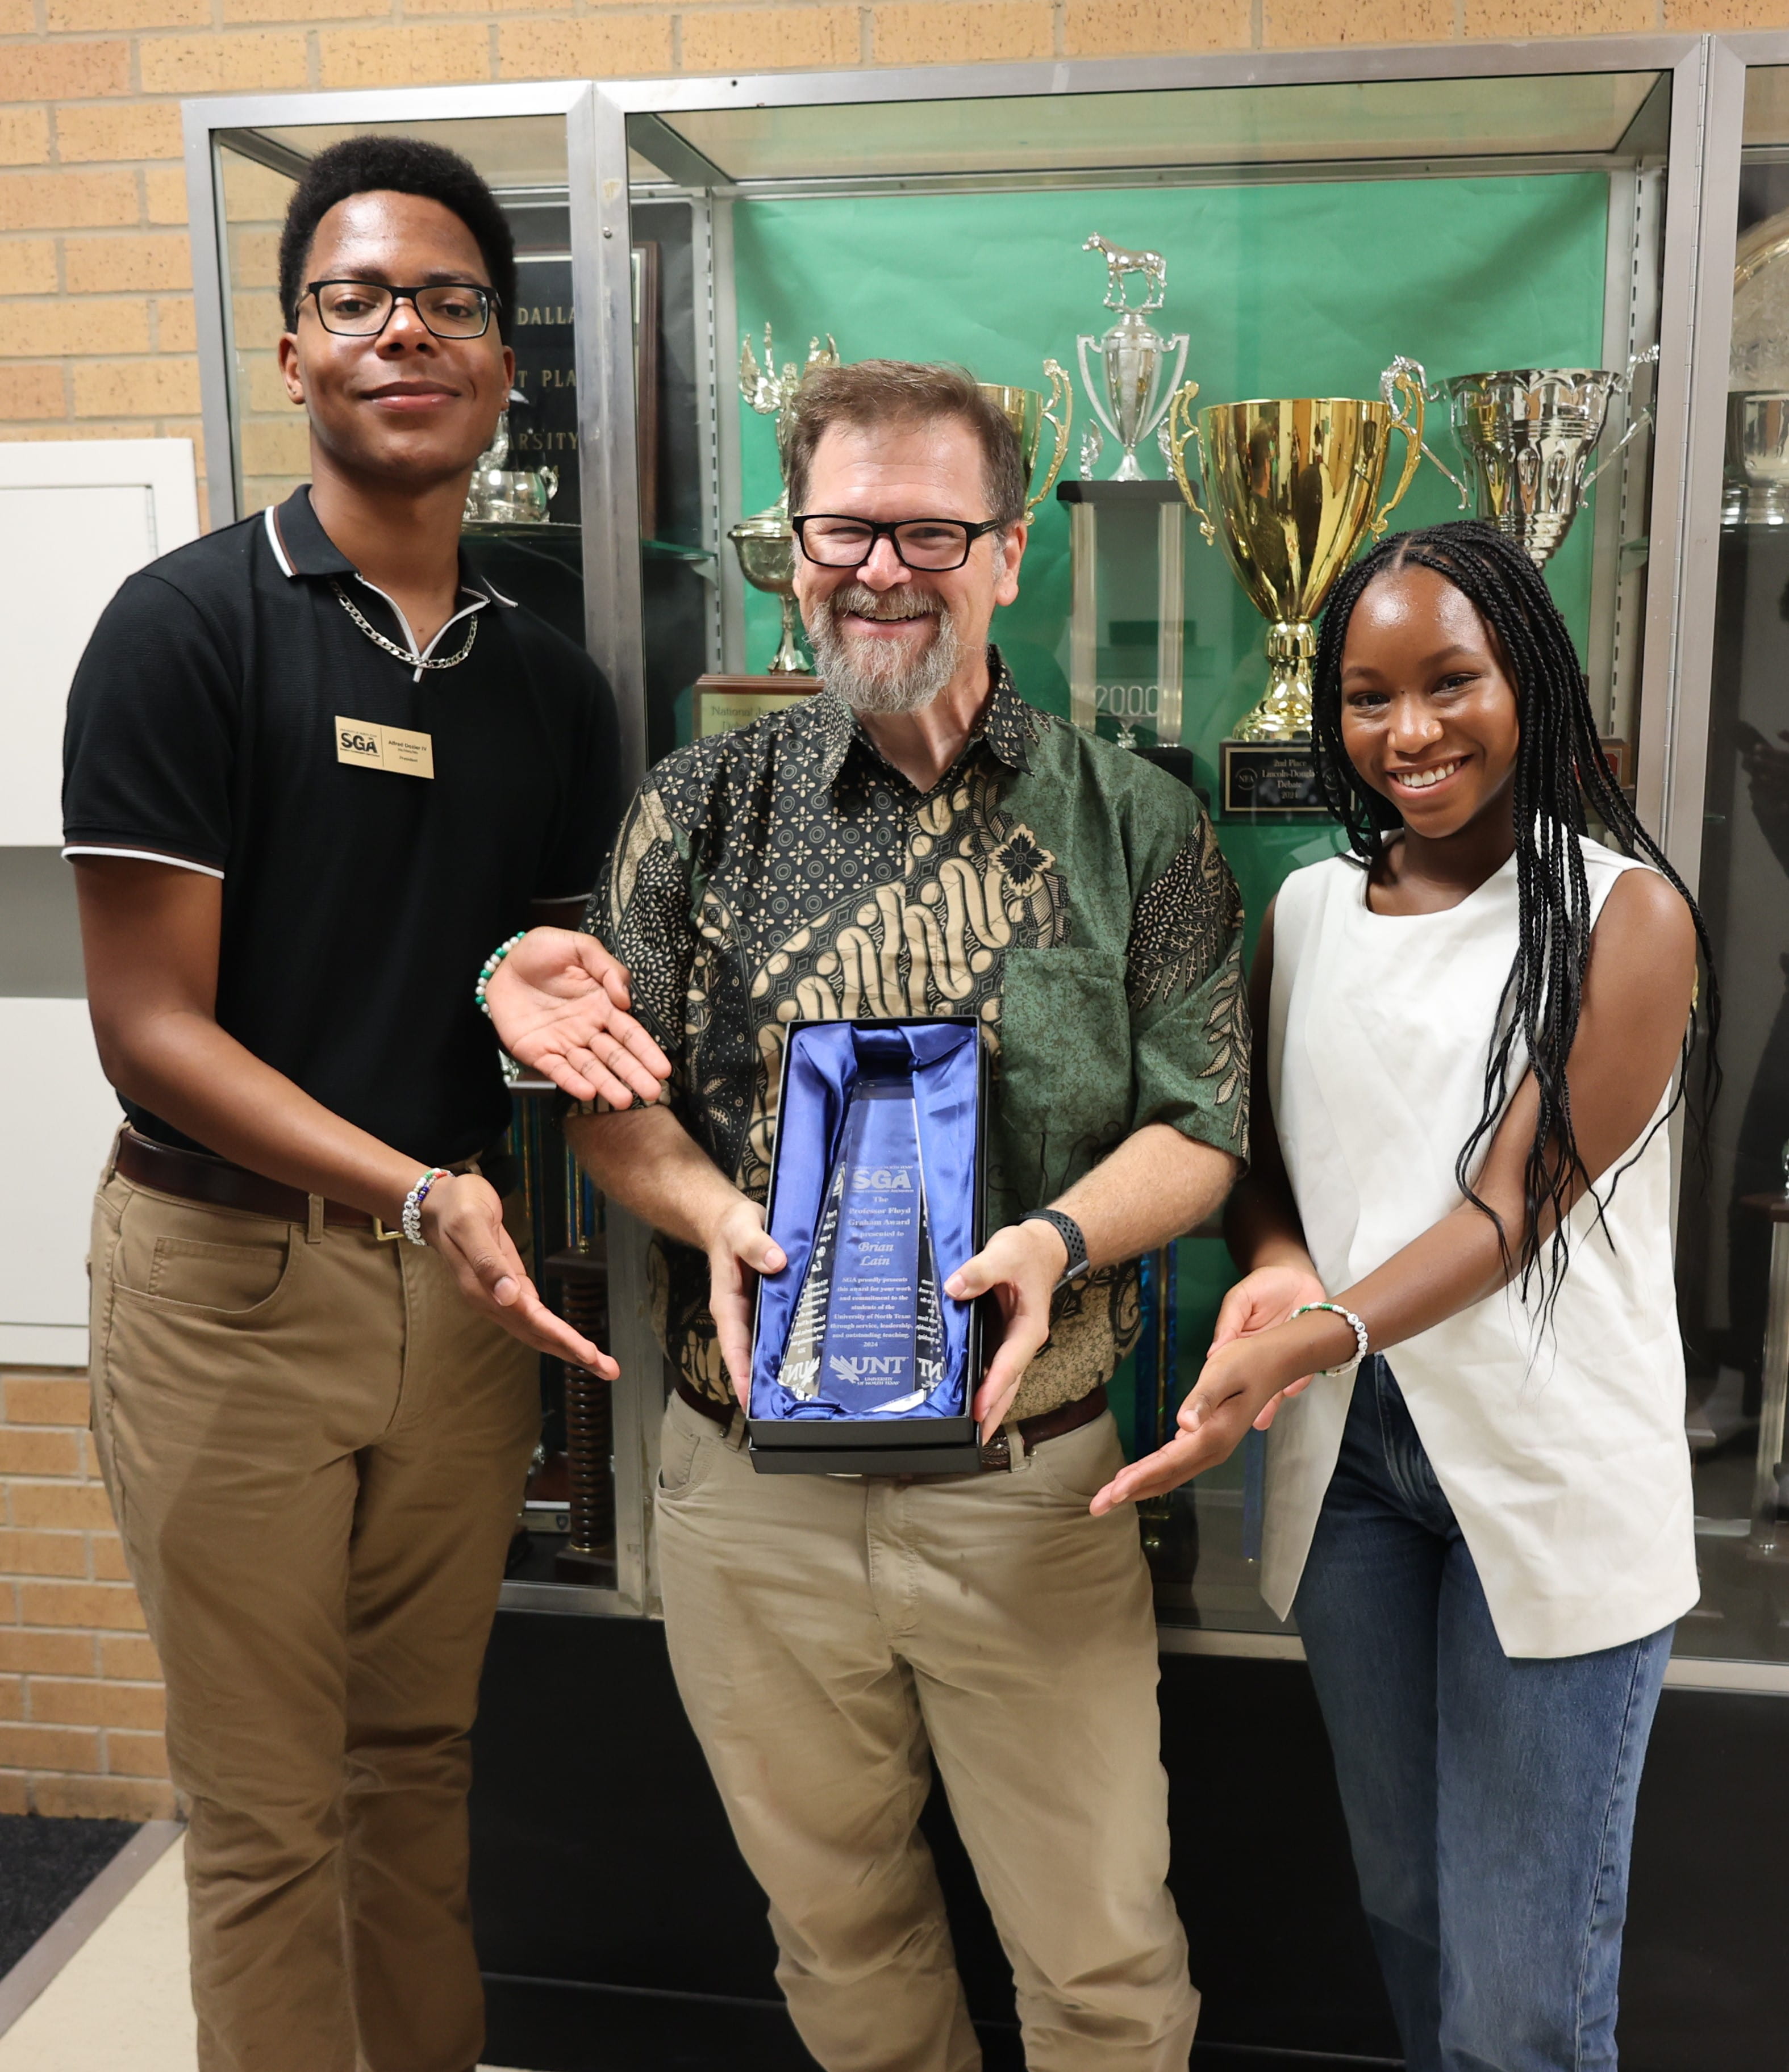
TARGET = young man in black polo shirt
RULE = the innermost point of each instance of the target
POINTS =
(315, 773)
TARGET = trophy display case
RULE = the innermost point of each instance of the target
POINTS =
(1733, 1219)
(1348, 246)
(1246, 312)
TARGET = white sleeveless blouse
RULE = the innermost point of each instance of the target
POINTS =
(1561, 1450)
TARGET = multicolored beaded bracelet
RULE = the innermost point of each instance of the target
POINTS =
(488, 971)
(413, 1201)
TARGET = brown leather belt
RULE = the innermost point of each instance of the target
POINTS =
(196, 1176)
(996, 1455)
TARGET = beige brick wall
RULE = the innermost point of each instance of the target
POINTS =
(80, 1692)
(95, 319)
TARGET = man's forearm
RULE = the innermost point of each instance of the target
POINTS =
(644, 1158)
(185, 1069)
(1157, 1185)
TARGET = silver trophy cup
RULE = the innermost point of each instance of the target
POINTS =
(1757, 486)
(1526, 434)
(1131, 392)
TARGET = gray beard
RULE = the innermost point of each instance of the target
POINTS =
(871, 678)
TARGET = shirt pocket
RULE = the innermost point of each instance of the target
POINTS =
(1065, 1094)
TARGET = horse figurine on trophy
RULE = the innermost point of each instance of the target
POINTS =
(1121, 265)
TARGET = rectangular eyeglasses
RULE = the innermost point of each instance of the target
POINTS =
(933, 544)
(362, 309)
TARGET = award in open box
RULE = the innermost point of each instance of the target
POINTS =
(862, 1364)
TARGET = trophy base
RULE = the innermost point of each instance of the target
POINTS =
(1170, 755)
(1753, 504)
(865, 1446)
(594, 1566)
(1269, 777)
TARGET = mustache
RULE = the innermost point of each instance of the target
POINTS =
(857, 600)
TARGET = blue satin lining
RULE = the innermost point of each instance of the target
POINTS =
(823, 1065)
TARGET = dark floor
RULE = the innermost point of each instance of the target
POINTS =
(591, 2029)
(44, 1866)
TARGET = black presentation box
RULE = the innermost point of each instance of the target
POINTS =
(887, 1445)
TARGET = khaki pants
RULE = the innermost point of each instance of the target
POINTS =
(826, 1634)
(316, 1451)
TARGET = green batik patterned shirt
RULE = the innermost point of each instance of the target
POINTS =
(1065, 892)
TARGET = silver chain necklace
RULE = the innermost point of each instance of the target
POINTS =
(403, 654)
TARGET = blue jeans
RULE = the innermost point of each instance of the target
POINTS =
(1490, 1801)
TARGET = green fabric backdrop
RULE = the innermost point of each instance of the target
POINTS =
(1286, 289)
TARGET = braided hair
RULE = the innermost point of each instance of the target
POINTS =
(1560, 769)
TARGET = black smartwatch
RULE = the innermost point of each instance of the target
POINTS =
(1070, 1232)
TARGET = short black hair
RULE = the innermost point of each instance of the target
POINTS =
(397, 165)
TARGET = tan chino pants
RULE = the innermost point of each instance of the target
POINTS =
(829, 1634)
(315, 1451)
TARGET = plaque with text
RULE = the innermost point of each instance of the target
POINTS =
(543, 429)
(719, 703)
(862, 1364)
(1270, 777)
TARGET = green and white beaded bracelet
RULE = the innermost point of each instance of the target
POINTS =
(488, 971)
(1348, 1317)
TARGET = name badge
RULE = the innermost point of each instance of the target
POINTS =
(371, 746)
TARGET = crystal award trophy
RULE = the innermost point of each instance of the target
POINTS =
(862, 1364)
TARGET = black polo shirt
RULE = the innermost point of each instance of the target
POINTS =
(229, 717)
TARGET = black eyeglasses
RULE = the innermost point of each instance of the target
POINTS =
(934, 545)
(362, 309)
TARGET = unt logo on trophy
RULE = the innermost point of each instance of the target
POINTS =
(865, 1367)
(884, 1179)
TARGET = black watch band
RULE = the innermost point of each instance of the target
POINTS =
(1070, 1232)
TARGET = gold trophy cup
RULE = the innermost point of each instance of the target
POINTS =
(1028, 412)
(1290, 487)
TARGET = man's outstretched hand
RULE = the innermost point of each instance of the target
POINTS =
(559, 1004)
(462, 1219)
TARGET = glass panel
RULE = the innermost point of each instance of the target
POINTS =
(1124, 615)
(1256, 126)
(522, 532)
(1732, 1249)
(273, 449)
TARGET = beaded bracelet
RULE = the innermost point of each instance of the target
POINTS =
(1348, 1317)
(488, 971)
(413, 1201)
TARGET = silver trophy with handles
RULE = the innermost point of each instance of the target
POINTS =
(1131, 391)
(1526, 435)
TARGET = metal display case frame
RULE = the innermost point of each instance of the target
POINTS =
(611, 126)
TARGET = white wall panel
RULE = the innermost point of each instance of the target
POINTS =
(76, 517)
(60, 1117)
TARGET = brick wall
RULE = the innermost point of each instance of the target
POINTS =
(95, 319)
(81, 1696)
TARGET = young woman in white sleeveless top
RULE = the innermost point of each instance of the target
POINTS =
(1468, 1029)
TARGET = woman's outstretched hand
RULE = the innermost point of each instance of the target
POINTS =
(559, 1004)
(1242, 1384)
(1268, 1296)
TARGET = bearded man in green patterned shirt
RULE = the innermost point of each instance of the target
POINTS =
(915, 839)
